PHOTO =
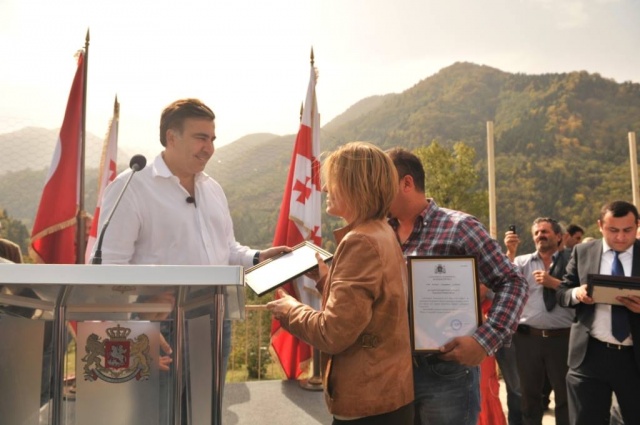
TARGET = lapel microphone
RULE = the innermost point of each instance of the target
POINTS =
(191, 200)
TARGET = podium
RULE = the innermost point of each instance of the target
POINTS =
(147, 339)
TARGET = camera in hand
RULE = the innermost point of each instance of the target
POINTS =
(512, 228)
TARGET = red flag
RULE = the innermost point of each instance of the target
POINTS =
(299, 220)
(107, 175)
(54, 229)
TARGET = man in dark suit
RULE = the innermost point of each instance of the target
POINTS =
(604, 346)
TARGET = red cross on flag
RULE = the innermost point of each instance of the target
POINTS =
(299, 220)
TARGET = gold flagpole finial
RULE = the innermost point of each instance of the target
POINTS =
(312, 57)
(116, 107)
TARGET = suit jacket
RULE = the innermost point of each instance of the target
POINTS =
(585, 260)
(559, 266)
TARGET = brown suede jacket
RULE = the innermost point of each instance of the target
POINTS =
(362, 330)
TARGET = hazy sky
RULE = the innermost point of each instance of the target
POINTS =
(249, 59)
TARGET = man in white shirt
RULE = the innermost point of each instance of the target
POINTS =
(542, 338)
(172, 212)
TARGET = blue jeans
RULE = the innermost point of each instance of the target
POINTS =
(446, 392)
(506, 358)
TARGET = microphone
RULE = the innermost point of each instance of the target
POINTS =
(137, 163)
(191, 200)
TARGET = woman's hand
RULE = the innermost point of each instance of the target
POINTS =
(280, 308)
(319, 272)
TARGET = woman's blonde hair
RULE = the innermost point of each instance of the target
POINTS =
(364, 178)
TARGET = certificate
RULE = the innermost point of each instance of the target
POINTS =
(604, 288)
(444, 301)
(280, 269)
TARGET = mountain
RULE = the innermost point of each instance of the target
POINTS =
(37, 144)
(26, 158)
(561, 146)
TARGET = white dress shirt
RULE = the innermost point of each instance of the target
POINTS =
(535, 313)
(601, 328)
(154, 223)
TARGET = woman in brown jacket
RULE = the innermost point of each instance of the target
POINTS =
(362, 330)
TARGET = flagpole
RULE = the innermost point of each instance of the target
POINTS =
(81, 225)
(315, 382)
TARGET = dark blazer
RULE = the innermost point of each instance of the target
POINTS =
(585, 259)
(559, 266)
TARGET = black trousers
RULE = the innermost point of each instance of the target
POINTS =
(603, 371)
(401, 416)
(539, 357)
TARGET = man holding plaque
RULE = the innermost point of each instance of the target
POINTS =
(604, 354)
(542, 339)
(446, 385)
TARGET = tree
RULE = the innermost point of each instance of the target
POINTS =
(451, 177)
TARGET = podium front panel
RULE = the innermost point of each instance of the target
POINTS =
(120, 359)
(82, 343)
(21, 370)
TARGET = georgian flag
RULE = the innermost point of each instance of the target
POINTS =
(107, 175)
(299, 220)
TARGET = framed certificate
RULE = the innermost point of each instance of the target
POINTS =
(280, 269)
(604, 288)
(444, 301)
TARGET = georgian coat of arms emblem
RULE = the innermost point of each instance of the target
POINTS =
(118, 358)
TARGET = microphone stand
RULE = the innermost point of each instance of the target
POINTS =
(97, 257)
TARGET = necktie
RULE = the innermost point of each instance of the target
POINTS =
(619, 315)
(548, 294)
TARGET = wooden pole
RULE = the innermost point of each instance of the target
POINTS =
(633, 159)
(492, 181)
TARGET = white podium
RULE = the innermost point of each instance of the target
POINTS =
(148, 343)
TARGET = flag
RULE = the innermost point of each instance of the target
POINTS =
(54, 229)
(299, 220)
(107, 175)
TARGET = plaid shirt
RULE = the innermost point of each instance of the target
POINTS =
(440, 231)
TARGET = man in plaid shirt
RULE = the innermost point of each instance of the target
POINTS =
(446, 386)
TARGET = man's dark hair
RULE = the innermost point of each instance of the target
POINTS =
(572, 229)
(174, 115)
(408, 164)
(555, 226)
(619, 209)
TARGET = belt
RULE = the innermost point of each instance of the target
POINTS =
(545, 333)
(426, 359)
(610, 345)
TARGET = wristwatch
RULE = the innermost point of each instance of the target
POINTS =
(256, 258)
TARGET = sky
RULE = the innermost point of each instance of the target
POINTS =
(249, 59)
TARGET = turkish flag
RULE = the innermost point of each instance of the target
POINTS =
(107, 175)
(299, 220)
(54, 230)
